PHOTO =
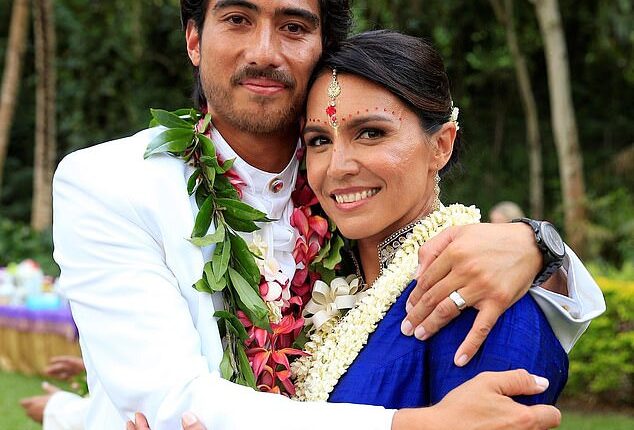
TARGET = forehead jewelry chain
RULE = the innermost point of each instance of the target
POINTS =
(334, 90)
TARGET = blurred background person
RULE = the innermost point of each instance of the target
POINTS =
(505, 211)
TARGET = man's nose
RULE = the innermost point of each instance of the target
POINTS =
(264, 49)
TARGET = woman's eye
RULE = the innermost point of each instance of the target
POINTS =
(370, 133)
(317, 141)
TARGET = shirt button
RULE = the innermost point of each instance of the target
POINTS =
(276, 185)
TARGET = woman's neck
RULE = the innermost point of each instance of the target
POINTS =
(368, 247)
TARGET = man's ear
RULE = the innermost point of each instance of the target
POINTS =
(444, 140)
(193, 43)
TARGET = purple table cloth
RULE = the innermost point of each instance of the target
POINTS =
(58, 321)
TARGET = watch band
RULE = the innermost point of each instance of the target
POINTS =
(551, 260)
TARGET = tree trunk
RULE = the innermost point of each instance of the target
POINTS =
(564, 123)
(45, 128)
(504, 14)
(18, 35)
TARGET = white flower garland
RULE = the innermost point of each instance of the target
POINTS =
(337, 343)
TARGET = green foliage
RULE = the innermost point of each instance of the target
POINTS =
(19, 242)
(602, 362)
(611, 232)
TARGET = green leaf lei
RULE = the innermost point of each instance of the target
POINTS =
(232, 268)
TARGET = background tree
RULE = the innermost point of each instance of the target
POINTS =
(14, 54)
(45, 118)
(564, 122)
(504, 13)
(116, 59)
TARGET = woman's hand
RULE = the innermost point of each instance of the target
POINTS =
(188, 421)
(490, 265)
(484, 403)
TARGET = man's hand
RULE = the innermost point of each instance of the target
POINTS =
(64, 367)
(484, 403)
(188, 421)
(34, 406)
(490, 265)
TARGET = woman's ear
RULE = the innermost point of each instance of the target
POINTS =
(193, 43)
(444, 140)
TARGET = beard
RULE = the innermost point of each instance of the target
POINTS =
(265, 118)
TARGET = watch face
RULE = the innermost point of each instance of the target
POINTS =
(552, 239)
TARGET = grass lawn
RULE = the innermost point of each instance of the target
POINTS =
(14, 386)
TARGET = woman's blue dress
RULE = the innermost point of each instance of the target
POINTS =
(396, 371)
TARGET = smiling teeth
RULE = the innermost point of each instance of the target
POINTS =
(355, 197)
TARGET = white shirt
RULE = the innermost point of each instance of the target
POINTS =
(149, 340)
(65, 411)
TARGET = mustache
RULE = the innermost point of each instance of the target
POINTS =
(250, 72)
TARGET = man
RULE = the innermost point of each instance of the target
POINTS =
(149, 340)
(57, 409)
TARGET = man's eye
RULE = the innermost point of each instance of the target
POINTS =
(370, 133)
(294, 28)
(236, 19)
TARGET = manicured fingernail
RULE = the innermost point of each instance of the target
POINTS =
(542, 382)
(406, 328)
(420, 332)
(45, 385)
(189, 418)
(408, 306)
(462, 360)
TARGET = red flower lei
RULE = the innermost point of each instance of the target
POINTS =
(270, 354)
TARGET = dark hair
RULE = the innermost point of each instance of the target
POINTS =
(336, 20)
(409, 67)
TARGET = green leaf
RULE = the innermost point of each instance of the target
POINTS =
(203, 219)
(205, 123)
(175, 140)
(218, 285)
(210, 239)
(202, 286)
(241, 225)
(334, 257)
(226, 166)
(192, 114)
(244, 367)
(224, 189)
(169, 119)
(210, 175)
(220, 259)
(241, 210)
(253, 304)
(235, 323)
(226, 369)
(245, 260)
(193, 182)
(323, 252)
(301, 340)
(208, 148)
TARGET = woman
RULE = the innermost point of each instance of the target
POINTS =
(380, 129)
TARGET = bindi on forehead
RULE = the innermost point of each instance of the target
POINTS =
(368, 114)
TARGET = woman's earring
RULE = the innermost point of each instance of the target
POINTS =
(437, 192)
